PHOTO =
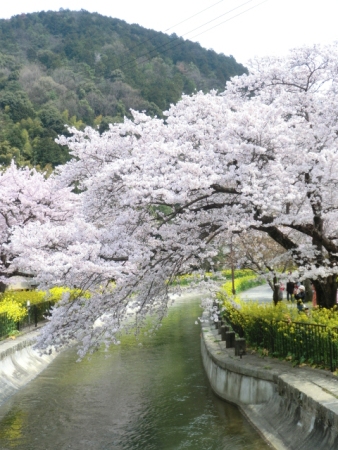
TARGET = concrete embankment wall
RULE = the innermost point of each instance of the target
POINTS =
(19, 364)
(292, 408)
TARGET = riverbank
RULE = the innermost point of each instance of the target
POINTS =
(20, 363)
(149, 392)
(292, 408)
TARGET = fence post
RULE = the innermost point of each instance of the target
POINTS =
(224, 329)
(230, 339)
(272, 337)
(240, 347)
(218, 323)
(35, 315)
(332, 365)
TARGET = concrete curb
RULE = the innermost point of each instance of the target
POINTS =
(20, 363)
(16, 348)
(292, 408)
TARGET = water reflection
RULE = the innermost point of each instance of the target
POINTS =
(154, 396)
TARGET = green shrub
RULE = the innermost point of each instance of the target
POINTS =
(282, 331)
(241, 284)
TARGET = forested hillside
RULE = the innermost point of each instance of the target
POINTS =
(81, 68)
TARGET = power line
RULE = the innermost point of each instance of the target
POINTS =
(215, 26)
(179, 38)
(233, 17)
(213, 20)
(183, 21)
(191, 17)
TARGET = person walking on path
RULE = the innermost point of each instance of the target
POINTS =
(290, 287)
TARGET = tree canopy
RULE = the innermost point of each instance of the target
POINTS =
(28, 196)
(157, 197)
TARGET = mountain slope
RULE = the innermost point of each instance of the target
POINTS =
(82, 68)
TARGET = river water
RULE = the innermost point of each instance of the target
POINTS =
(153, 396)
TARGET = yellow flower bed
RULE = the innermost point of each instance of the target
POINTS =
(283, 332)
(246, 281)
(251, 311)
(15, 311)
(239, 273)
(14, 303)
(191, 277)
(21, 297)
(55, 294)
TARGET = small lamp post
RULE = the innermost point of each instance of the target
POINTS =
(29, 315)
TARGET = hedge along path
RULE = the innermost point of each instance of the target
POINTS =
(282, 331)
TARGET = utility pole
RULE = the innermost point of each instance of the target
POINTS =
(232, 268)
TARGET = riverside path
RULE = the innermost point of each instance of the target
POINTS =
(262, 294)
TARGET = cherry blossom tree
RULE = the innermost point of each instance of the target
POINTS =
(157, 197)
(255, 250)
(27, 196)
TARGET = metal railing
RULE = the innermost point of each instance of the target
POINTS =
(35, 313)
(302, 342)
(6, 325)
(306, 342)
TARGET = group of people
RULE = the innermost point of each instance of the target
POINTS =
(296, 291)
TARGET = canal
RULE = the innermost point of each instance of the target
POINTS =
(150, 394)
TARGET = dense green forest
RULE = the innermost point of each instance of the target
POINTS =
(80, 68)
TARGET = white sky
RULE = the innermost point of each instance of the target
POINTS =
(269, 28)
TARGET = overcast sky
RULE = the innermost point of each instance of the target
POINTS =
(261, 27)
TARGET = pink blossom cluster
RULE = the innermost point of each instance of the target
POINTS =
(157, 198)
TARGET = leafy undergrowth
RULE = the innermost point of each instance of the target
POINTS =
(243, 283)
(281, 331)
(251, 311)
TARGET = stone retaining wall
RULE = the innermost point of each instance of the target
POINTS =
(19, 364)
(293, 409)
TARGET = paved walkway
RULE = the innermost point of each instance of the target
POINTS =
(262, 294)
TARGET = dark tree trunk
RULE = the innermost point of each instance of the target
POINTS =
(308, 290)
(326, 290)
(275, 291)
(2, 287)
